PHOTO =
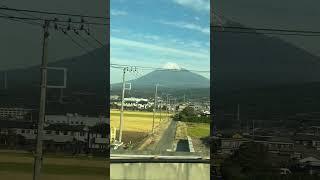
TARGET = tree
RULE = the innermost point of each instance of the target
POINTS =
(252, 160)
(188, 111)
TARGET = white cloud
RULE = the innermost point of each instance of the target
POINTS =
(196, 44)
(198, 5)
(156, 48)
(115, 12)
(152, 37)
(185, 25)
(171, 65)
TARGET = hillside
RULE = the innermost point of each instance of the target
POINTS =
(178, 83)
(86, 85)
(243, 60)
(179, 79)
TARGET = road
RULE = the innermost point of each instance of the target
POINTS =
(167, 139)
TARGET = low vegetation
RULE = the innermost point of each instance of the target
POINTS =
(198, 130)
(14, 165)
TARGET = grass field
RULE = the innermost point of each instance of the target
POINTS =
(20, 166)
(198, 130)
(135, 121)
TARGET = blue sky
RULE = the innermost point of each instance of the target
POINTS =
(160, 33)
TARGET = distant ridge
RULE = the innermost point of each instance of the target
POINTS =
(245, 60)
(178, 79)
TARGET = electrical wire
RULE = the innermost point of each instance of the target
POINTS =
(95, 39)
(53, 13)
(77, 44)
(25, 22)
(261, 31)
(63, 29)
(267, 29)
(84, 39)
(155, 68)
(53, 20)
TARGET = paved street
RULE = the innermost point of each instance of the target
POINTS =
(167, 139)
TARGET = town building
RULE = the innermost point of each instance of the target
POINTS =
(57, 137)
(14, 113)
(75, 119)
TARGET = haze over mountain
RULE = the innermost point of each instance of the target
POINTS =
(179, 79)
(87, 71)
(243, 60)
(86, 84)
(240, 60)
(268, 77)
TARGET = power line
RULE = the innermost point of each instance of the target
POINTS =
(21, 12)
(54, 20)
(267, 29)
(77, 44)
(87, 32)
(25, 22)
(95, 39)
(156, 68)
(248, 30)
(53, 13)
(270, 33)
(84, 39)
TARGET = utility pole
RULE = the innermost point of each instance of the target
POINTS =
(61, 96)
(167, 106)
(253, 130)
(122, 103)
(44, 63)
(174, 106)
(155, 107)
(184, 99)
(5, 80)
(247, 126)
(160, 111)
(238, 116)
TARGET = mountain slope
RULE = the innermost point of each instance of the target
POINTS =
(178, 83)
(86, 70)
(172, 79)
(86, 85)
(253, 60)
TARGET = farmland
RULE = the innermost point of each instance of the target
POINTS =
(19, 165)
(136, 125)
(135, 121)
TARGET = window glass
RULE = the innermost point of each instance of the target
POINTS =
(160, 78)
(265, 88)
(53, 71)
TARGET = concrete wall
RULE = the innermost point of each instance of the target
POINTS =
(153, 171)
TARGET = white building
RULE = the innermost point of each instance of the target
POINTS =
(75, 119)
(132, 102)
(114, 97)
(61, 134)
(16, 113)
